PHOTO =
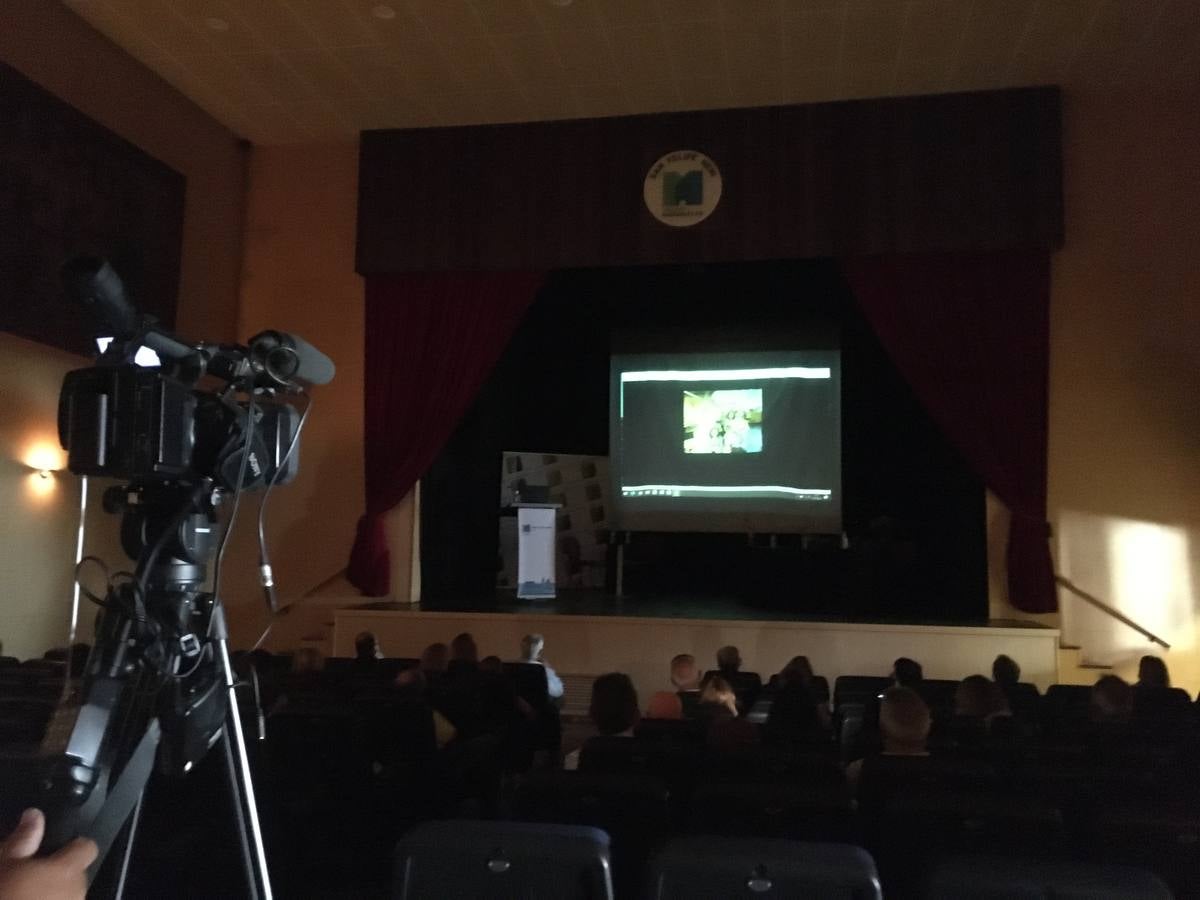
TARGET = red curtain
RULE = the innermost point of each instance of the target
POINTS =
(970, 333)
(431, 340)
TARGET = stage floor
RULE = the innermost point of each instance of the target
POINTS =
(591, 603)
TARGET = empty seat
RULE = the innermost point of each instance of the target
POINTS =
(698, 868)
(471, 859)
(989, 878)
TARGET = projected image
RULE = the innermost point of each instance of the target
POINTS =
(724, 421)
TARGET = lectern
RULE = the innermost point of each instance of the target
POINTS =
(536, 549)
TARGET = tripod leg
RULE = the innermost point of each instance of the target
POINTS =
(130, 837)
(248, 808)
(235, 793)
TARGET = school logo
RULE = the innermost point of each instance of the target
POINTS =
(682, 188)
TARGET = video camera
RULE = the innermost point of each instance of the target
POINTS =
(210, 421)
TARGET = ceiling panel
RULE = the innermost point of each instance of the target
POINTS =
(279, 71)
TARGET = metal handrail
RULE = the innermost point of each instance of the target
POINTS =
(1105, 608)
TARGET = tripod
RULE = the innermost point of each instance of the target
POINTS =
(159, 684)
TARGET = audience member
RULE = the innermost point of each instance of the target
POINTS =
(978, 698)
(464, 654)
(664, 705)
(907, 672)
(1005, 671)
(613, 710)
(532, 646)
(904, 722)
(1111, 701)
(795, 715)
(366, 647)
(1152, 673)
(746, 685)
(434, 659)
(685, 676)
(717, 700)
(492, 665)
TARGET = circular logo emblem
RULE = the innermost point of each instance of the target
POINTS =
(682, 188)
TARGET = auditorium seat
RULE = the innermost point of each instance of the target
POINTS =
(529, 682)
(676, 764)
(1158, 833)
(807, 811)
(861, 690)
(632, 809)
(8, 662)
(683, 731)
(1065, 706)
(464, 859)
(938, 695)
(993, 878)
(721, 868)
(883, 777)
(1023, 699)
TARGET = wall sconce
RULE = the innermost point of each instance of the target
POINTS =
(45, 460)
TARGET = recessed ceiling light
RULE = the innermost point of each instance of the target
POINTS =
(383, 11)
(216, 24)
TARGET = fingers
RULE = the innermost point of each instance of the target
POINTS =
(77, 855)
(26, 837)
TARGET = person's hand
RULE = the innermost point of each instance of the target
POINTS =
(60, 876)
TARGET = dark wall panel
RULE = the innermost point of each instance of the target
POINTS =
(68, 185)
(954, 171)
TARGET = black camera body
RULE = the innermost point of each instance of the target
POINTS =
(141, 424)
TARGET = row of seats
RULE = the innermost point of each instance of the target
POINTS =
(471, 859)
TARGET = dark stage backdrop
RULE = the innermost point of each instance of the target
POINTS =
(914, 511)
(68, 185)
(890, 175)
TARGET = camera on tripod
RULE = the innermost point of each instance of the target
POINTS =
(210, 421)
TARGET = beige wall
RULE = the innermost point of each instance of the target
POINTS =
(1125, 374)
(55, 48)
(299, 277)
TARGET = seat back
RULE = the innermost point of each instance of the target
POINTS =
(711, 867)
(632, 809)
(475, 859)
(991, 878)
(529, 682)
(862, 690)
(798, 811)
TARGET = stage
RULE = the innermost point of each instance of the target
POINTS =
(589, 633)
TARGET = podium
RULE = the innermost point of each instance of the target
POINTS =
(536, 550)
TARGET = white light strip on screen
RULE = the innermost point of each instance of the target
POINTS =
(728, 374)
(727, 489)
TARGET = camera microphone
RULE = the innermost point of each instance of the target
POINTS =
(286, 357)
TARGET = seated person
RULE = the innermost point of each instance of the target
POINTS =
(746, 685)
(613, 710)
(532, 646)
(1152, 673)
(717, 700)
(904, 723)
(1111, 702)
(366, 647)
(795, 716)
(434, 659)
(492, 665)
(978, 698)
(664, 705)
(907, 672)
(685, 676)
(1005, 671)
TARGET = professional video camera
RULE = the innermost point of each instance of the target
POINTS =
(209, 422)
